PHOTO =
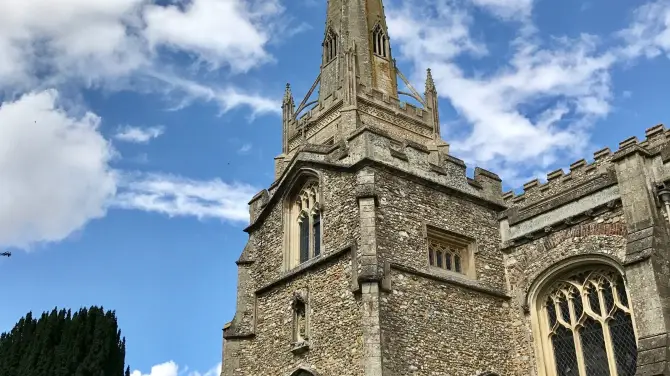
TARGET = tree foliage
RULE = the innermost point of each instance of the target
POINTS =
(59, 343)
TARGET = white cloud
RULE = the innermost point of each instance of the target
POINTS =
(164, 369)
(67, 48)
(507, 8)
(172, 369)
(526, 114)
(138, 135)
(229, 32)
(56, 177)
(53, 49)
(214, 371)
(53, 168)
(649, 33)
(226, 98)
(178, 197)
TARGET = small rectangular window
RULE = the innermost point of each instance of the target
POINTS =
(450, 251)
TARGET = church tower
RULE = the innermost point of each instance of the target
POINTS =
(374, 254)
(369, 217)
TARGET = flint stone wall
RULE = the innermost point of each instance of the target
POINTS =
(524, 264)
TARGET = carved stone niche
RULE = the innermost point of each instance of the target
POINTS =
(300, 308)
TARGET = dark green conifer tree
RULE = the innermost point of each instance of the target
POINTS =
(59, 343)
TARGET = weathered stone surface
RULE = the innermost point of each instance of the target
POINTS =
(375, 306)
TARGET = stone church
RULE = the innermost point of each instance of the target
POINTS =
(374, 254)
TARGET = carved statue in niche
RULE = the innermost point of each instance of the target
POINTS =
(300, 317)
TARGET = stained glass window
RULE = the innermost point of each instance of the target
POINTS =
(588, 326)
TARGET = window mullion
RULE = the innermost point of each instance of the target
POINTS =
(549, 351)
(581, 364)
(607, 336)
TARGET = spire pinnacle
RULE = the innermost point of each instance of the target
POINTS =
(430, 83)
(288, 96)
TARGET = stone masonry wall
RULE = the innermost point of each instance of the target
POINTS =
(434, 328)
(339, 221)
(406, 206)
(335, 332)
(525, 262)
(334, 311)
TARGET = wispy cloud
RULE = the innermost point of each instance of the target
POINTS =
(244, 149)
(65, 50)
(538, 107)
(138, 135)
(649, 33)
(227, 98)
(177, 196)
(508, 9)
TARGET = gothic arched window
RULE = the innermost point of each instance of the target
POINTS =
(305, 230)
(330, 46)
(379, 41)
(587, 326)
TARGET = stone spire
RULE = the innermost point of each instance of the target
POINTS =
(361, 23)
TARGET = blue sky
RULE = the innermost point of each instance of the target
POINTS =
(133, 133)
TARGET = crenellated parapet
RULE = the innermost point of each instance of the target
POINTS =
(587, 190)
(394, 104)
(582, 170)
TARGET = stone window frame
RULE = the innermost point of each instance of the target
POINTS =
(380, 42)
(544, 285)
(330, 46)
(294, 214)
(464, 246)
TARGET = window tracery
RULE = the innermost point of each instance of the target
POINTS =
(304, 225)
(587, 326)
(379, 41)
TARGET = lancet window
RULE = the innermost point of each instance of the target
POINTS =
(330, 46)
(587, 325)
(379, 42)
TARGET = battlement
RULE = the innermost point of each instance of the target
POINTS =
(403, 108)
(581, 170)
(411, 158)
